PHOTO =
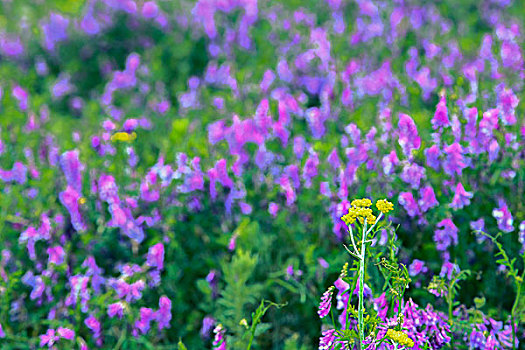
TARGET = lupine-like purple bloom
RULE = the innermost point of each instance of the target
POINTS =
(447, 235)
(11, 46)
(49, 339)
(22, 96)
(273, 209)
(406, 199)
(207, 324)
(448, 269)
(219, 341)
(493, 150)
(150, 9)
(461, 197)
(163, 315)
(146, 316)
(66, 333)
(507, 103)
(326, 302)
(55, 30)
(70, 199)
(413, 174)
(2, 333)
(316, 119)
(155, 256)
(56, 255)
(389, 162)
(407, 134)
(432, 154)
(327, 340)
(94, 325)
(417, 267)
(135, 291)
(428, 199)
(454, 162)
(440, 119)
(115, 309)
(504, 217)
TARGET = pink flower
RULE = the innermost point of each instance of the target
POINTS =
(155, 256)
(66, 333)
(115, 309)
(56, 255)
(461, 197)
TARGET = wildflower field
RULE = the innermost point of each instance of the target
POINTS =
(249, 174)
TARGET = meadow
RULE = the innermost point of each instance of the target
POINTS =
(243, 174)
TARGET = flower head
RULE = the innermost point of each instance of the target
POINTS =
(384, 206)
(326, 302)
(400, 337)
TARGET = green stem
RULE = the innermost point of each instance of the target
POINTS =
(513, 310)
(362, 287)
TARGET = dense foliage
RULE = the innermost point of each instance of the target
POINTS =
(174, 174)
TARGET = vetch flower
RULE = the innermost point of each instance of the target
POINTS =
(428, 199)
(155, 256)
(461, 197)
(326, 302)
(219, 342)
(115, 309)
(447, 235)
(56, 255)
(163, 315)
(504, 217)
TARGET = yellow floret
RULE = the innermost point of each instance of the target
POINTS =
(365, 203)
(400, 337)
(384, 206)
(123, 136)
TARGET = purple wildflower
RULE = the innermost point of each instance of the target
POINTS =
(66, 333)
(417, 267)
(219, 341)
(461, 197)
(428, 199)
(407, 133)
(94, 325)
(155, 256)
(326, 302)
(163, 315)
(327, 340)
(406, 199)
(56, 255)
(413, 174)
(454, 162)
(447, 235)
(116, 309)
(440, 119)
(504, 217)
(49, 339)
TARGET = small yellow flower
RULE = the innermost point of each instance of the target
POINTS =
(384, 206)
(400, 337)
(344, 271)
(244, 323)
(365, 203)
(82, 200)
(123, 136)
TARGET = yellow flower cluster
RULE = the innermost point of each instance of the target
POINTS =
(361, 203)
(123, 136)
(344, 271)
(359, 213)
(360, 210)
(384, 206)
(400, 337)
